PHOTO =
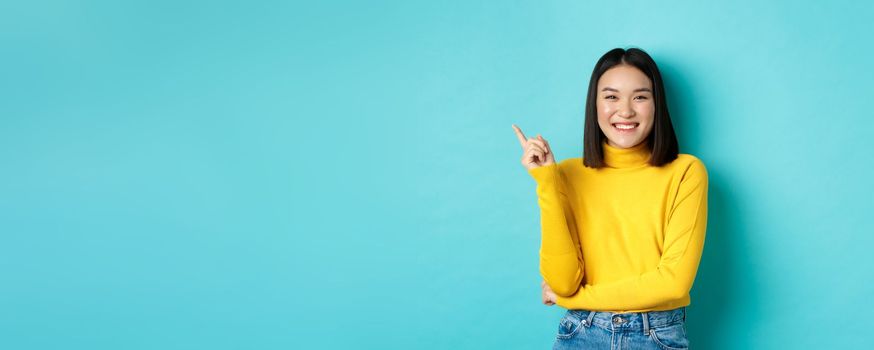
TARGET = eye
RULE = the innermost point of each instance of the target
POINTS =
(610, 97)
(642, 97)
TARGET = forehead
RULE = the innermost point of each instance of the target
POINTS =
(624, 77)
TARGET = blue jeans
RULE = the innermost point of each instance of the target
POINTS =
(659, 330)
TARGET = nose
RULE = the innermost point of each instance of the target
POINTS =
(625, 110)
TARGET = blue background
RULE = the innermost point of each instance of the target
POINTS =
(276, 175)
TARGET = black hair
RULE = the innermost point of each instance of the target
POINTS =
(662, 141)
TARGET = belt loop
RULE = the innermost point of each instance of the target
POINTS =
(589, 319)
(684, 314)
(645, 323)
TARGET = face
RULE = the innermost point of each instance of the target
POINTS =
(625, 98)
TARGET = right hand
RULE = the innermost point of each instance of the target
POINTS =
(535, 151)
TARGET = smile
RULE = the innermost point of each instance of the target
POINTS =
(625, 127)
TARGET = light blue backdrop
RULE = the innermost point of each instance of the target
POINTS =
(275, 175)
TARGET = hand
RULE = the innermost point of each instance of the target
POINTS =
(549, 298)
(536, 151)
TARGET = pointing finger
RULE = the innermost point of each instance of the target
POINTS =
(520, 136)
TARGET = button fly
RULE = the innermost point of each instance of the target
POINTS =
(618, 320)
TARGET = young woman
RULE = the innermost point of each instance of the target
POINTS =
(623, 226)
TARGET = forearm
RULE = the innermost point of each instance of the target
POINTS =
(561, 262)
(640, 292)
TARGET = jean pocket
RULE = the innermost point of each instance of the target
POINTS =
(568, 326)
(670, 337)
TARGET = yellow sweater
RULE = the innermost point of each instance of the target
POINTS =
(624, 238)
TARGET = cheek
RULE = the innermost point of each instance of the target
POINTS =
(603, 118)
(647, 109)
(604, 112)
(646, 112)
(604, 109)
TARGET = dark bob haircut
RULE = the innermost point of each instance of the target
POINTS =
(662, 141)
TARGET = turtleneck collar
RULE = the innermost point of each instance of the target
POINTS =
(625, 157)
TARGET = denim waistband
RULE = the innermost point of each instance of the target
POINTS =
(630, 320)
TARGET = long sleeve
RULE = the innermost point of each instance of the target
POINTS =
(673, 277)
(561, 263)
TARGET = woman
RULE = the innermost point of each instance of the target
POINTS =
(623, 226)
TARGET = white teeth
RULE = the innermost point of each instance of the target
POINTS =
(626, 127)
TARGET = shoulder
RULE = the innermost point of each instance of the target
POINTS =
(689, 160)
(690, 166)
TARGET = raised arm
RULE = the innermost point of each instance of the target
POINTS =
(561, 263)
(672, 278)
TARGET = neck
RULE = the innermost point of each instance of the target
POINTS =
(631, 157)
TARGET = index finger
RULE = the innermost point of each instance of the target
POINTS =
(522, 139)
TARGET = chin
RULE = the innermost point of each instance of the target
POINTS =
(623, 142)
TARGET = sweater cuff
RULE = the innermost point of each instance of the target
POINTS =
(544, 174)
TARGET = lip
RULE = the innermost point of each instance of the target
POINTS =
(625, 131)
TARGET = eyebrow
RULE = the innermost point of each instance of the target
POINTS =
(635, 90)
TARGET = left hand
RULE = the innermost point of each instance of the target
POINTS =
(549, 298)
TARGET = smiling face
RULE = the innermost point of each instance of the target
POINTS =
(626, 108)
